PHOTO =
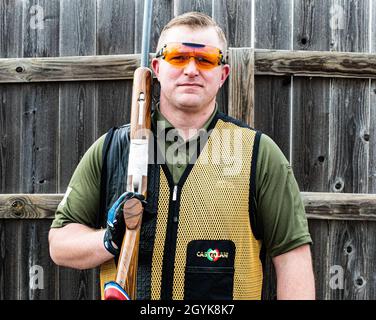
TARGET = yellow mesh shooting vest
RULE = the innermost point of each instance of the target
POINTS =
(204, 246)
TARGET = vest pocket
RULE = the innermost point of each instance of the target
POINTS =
(209, 271)
(209, 283)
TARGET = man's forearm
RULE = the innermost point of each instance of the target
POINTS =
(295, 279)
(78, 246)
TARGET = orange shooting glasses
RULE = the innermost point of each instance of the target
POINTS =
(179, 54)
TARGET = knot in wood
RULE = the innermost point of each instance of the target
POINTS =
(321, 158)
(19, 69)
(360, 282)
(17, 207)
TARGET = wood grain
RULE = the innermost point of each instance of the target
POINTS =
(182, 6)
(319, 205)
(241, 82)
(273, 93)
(76, 99)
(122, 66)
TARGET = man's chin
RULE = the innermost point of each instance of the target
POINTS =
(190, 102)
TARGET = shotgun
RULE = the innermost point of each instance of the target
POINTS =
(124, 287)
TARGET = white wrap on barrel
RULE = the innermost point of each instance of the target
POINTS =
(138, 157)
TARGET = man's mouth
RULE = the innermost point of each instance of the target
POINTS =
(188, 84)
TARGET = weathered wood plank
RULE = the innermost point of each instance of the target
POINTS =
(10, 122)
(328, 206)
(310, 101)
(29, 206)
(372, 141)
(272, 109)
(14, 274)
(311, 23)
(241, 86)
(11, 29)
(349, 105)
(348, 256)
(115, 35)
(39, 134)
(273, 24)
(319, 230)
(77, 28)
(273, 94)
(372, 127)
(310, 133)
(122, 66)
(320, 205)
(115, 27)
(3, 254)
(182, 6)
(316, 63)
(10, 114)
(39, 123)
(10, 102)
(73, 68)
(348, 130)
(76, 100)
(234, 17)
(28, 270)
(76, 125)
(39, 120)
(78, 284)
(41, 28)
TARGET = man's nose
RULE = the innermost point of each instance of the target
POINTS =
(191, 68)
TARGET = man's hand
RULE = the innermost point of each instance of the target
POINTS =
(114, 234)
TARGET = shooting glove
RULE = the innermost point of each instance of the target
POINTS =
(114, 234)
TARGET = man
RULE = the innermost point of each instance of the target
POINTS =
(210, 216)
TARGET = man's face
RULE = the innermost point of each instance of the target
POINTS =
(188, 88)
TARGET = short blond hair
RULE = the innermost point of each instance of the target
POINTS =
(194, 20)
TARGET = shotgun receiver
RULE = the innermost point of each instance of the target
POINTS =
(124, 287)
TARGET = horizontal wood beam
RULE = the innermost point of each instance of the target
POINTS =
(326, 206)
(116, 67)
(74, 68)
(340, 206)
(316, 64)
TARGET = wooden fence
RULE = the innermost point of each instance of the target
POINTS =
(302, 71)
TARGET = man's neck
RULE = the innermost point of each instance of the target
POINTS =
(188, 123)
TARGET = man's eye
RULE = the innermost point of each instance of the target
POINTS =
(204, 60)
(179, 58)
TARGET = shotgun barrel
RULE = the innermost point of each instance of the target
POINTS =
(124, 287)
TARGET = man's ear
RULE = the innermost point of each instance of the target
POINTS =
(155, 67)
(225, 73)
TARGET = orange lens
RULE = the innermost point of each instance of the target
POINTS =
(179, 55)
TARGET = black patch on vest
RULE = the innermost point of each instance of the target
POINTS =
(209, 272)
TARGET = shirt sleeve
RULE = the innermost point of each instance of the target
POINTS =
(81, 200)
(280, 209)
